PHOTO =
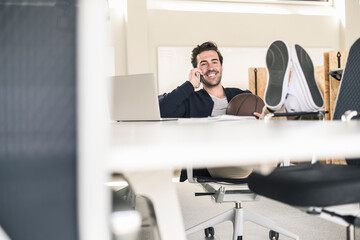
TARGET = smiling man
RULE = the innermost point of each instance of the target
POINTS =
(212, 100)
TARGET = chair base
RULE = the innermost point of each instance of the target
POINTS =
(238, 216)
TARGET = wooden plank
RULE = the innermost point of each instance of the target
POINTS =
(334, 89)
(320, 78)
(326, 86)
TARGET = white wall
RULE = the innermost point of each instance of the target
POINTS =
(352, 28)
(150, 28)
(116, 28)
(174, 65)
(137, 37)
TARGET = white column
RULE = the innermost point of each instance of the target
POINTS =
(93, 198)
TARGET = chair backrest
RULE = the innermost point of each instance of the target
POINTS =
(38, 148)
(348, 97)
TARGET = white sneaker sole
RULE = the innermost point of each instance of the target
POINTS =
(278, 70)
(306, 88)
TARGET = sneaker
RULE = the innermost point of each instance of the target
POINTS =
(303, 93)
(278, 69)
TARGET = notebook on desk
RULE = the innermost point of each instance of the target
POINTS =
(134, 98)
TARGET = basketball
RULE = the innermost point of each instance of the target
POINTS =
(245, 104)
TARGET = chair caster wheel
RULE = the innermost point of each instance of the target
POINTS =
(273, 235)
(209, 232)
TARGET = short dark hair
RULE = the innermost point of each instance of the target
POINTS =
(206, 46)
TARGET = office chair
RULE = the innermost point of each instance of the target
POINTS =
(38, 162)
(318, 186)
(237, 192)
(230, 190)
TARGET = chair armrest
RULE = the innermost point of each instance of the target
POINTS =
(348, 115)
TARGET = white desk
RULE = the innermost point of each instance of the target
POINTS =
(161, 145)
(148, 151)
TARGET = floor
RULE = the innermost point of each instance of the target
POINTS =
(197, 209)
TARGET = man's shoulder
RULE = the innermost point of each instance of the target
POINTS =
(200, 92)
(236, 91)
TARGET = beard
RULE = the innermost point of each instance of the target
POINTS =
(213, 83)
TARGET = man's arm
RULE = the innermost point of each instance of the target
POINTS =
(174, 104)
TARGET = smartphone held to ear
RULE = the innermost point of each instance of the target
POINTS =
(198, 76)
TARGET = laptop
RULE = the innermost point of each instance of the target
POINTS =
(134, 98)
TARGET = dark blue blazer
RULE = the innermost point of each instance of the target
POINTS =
(185, 102)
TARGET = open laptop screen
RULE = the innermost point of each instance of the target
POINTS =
(134, 98)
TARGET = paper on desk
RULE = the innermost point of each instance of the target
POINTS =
(217, 118)
(232, 118)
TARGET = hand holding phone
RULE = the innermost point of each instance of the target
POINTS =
(198, 77)
(195, 77)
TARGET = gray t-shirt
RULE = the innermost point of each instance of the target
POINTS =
(220, 105)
